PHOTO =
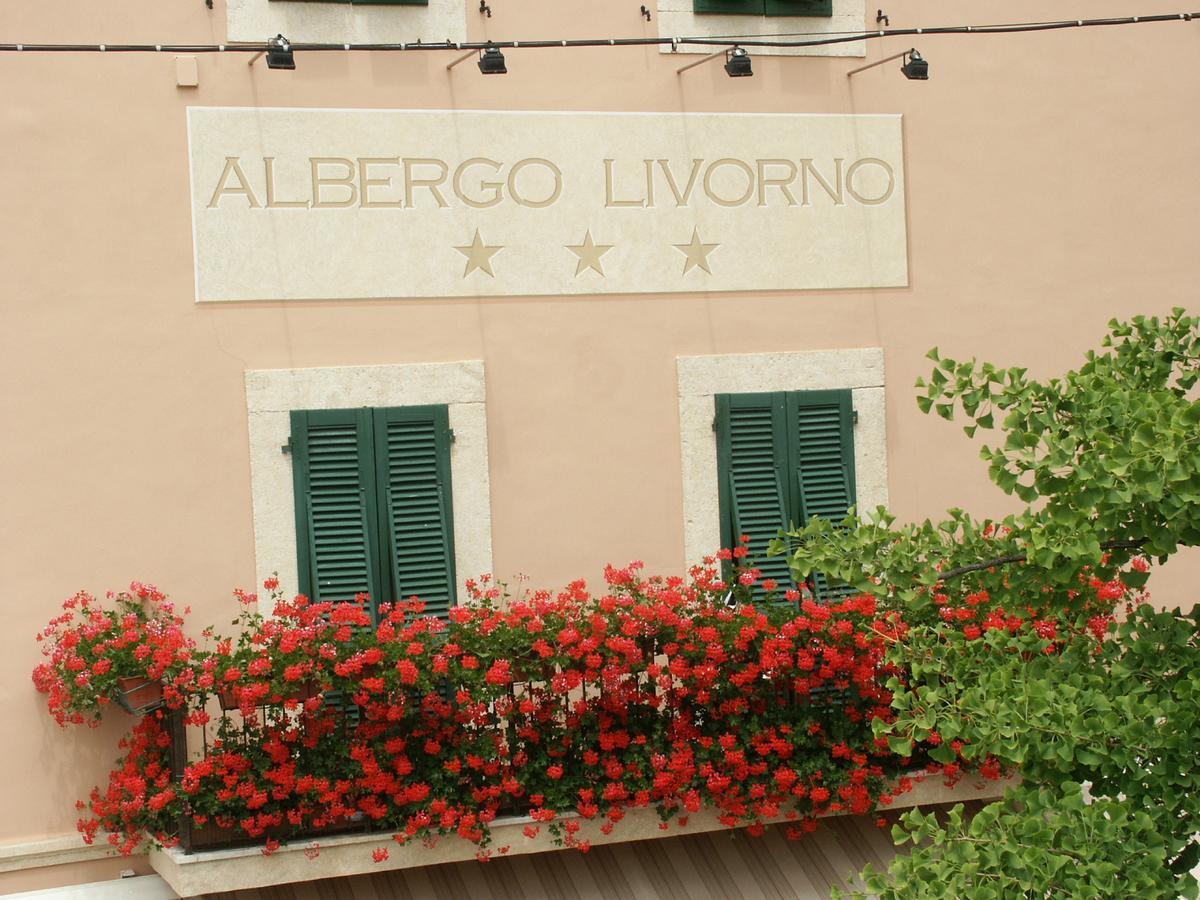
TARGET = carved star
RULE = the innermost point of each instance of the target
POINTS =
(696, 253)
(589, 254)
(479, 256)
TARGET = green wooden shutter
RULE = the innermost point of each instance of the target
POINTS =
(412, 452)
(821, 460)
(823, 8)
(391, 2)
(729, 7)
(751, 460)
(335, 496)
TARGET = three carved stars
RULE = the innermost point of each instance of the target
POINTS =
(588, 254)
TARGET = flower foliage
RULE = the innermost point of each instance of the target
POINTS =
(658, 692)
(94, 644)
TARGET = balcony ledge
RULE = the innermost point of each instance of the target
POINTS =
(246, 868)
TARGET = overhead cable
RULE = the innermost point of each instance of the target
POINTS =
(718, 41)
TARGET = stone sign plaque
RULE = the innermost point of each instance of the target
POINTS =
(295, 204)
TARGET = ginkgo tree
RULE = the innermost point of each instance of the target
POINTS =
(1030, 644)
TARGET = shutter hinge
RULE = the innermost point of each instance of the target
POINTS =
(450, 434)
(287, 448)
(714, 423)
(854, 416)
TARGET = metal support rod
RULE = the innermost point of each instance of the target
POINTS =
(878, 63)
(462, 58)
(177, 729)
(701, 61)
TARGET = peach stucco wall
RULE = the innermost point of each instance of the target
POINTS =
(1051, 183)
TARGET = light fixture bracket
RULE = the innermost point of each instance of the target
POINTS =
(279, 54)
(737, 61)
(915, 67)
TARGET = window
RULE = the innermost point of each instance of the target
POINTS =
(782, 458)
(856, 373)
(371, 420)
(747, 19)
(373, 2)
(373, 504)
(348, 21)
(765, 7)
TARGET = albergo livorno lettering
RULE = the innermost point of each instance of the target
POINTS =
(292, 204)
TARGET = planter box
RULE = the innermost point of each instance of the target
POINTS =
(139, 695)
(246, 868)
(211, 837)
(304, 690)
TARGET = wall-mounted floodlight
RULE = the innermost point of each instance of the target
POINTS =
(915, 67)
(737, 62)
(491, 61)
(279, 54)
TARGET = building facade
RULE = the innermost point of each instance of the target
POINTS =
(575, 313)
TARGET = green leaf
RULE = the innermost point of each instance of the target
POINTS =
(901, 746)
(942, 753)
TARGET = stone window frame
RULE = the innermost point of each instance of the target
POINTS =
(337, 23)
(676, 18)
(272, 394)
(700, 378)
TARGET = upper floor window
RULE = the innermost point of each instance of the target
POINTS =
(348, 21)
(748, 19)
(765, 7)
(364, 2)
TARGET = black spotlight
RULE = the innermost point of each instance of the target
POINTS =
(491, 62)
(737, 63)
(279, 53)
(915, 68)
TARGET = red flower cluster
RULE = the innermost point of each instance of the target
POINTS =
(92, 645)
(653, 693)
(141, 798)
(976, 613)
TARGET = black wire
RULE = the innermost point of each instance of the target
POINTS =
(722, 41)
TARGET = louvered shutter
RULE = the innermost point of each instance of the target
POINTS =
(412, 452)
(813, 8)
(335, 496)
(751, 455)
(821, 460)
(729, 7)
